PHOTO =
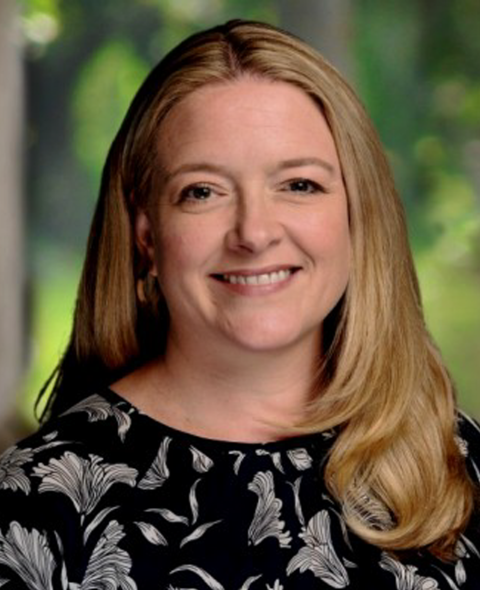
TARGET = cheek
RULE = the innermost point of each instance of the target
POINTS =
(173, 255)
(181, 249)
(326, 232)
(328, 242)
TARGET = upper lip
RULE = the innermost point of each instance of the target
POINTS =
(257, 271)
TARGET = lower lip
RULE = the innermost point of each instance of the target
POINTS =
(257, 290)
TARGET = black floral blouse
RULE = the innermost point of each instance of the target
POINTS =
(106, 498)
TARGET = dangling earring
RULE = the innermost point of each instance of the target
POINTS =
(148, 290)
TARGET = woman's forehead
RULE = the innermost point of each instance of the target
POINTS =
(249, 115)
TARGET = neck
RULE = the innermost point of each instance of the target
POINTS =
(246, 396)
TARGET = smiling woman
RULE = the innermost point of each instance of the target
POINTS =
(247, 233)
(250, 398)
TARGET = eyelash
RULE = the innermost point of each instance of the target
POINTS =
(313, 187)
(185, 194)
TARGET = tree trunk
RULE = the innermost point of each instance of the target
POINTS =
(11, 214)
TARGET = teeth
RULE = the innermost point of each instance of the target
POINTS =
(263, 279)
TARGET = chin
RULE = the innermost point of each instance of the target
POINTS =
(269, 338)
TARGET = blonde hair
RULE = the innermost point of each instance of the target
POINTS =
(394, 468)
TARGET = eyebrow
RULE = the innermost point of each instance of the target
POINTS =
(219, 169)
(298, 162)
(196, 167)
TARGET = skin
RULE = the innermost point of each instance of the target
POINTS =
(250, 183)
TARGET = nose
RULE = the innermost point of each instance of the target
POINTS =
(255, 226)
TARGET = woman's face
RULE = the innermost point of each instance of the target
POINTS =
(248, 233)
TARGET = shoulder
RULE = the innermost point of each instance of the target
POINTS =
(90, 433)
(55, 481)
(84, 424)
(468, 438)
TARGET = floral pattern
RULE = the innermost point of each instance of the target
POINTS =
(29, 556)
(84, 481)
(406, 577)
(105, 498)
(109, 566)
(319, 554)
(266, 520)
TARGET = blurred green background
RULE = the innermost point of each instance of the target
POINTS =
(416, 66)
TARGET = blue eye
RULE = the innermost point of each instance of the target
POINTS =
(304, 186)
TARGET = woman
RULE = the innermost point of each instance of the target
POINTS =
(250, 398)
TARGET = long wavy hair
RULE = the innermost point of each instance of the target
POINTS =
(395, 467)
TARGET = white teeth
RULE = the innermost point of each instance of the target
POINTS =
(265, 279)
(262, 279)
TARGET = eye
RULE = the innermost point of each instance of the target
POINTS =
(304, 186)
(196, 192)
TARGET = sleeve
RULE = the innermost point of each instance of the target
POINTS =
(32, 524)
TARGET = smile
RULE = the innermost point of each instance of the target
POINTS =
(264, 278)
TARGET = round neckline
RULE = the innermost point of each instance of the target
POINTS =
(284, 444)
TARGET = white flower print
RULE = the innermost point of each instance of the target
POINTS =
(319, 555)
(151, 533)
(462, 446)
(29, 556)
(174, 518)
(3, 582)
(109, 566)
(246, 585)
(96, 521)
(168, 515)
(298, 505)
(300, 459)
(198, 532)
(266, 520)
(406, 577)
(99, 408)
(84, 481)
(329, 434)
(276, 586)
(275, 457)
(201, 463)
(461, 553)
(209, 580)
(158, 472)
(460, 573)
(238, 460)
(192, 498)
(50, 436)
(469, 546)
(12, 475)
(463, 550)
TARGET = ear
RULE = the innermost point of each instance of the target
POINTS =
(145, 240)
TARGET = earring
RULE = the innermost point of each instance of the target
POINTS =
(148, 290)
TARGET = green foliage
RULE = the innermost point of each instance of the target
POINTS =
(104, 88)
(31, 8)
(41, 21)
(55, 285)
